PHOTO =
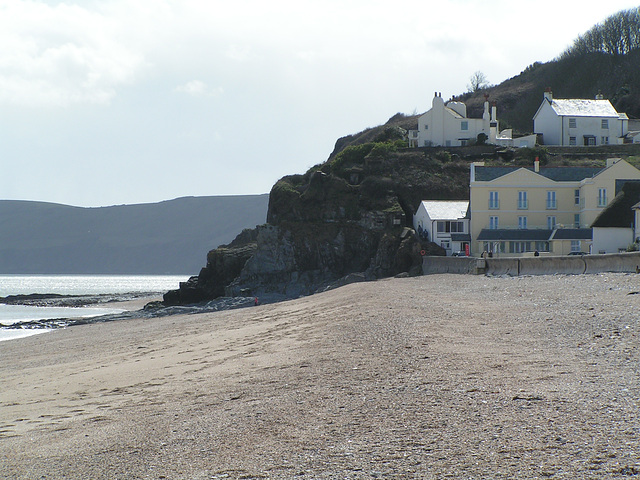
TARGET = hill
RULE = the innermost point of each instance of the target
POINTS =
(585, 75)
(617, 77)
(170, 237)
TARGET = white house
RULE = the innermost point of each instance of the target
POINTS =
(573, 122)
(447, 125)
(444, 222)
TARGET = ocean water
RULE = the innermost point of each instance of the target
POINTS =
(71, 285)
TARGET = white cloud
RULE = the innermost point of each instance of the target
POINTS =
(198, 88)
(61, 54)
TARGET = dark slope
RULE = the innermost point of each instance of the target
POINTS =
(170, 237)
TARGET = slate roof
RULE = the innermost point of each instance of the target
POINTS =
(619, 213)
(557, 174)
(538, 235)
(460, 237)
(502, 234)
(583, 108)
(572, 234)
(446, 209)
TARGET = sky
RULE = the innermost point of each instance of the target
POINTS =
(110, 102)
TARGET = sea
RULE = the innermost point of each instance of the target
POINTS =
(70, 285)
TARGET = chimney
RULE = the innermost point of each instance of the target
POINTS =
(548, 94)
(536, 165)
(599, 96)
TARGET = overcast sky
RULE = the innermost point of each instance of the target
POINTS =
(107, 102)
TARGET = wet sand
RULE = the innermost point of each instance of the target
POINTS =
(442, 376)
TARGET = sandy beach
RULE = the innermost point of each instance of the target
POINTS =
(442, 376)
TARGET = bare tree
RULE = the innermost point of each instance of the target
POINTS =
(478, 81)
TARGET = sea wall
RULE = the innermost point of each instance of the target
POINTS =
(547, 265)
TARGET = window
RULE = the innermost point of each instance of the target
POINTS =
(575, 246)
(576, 196)
(604, 140)
(494, 247)
(494, 202)
(426, 127)
(605, 124)
(590, 141)
(572, 141)
(551, 222)
(572, 123)
(523, 203)
(464, 125)
(464, 142)
(551, 200)
(445, 245)
(449, 226)
(522, 223)
(576, 220)
(493, 223)
(602, 197)
(542, 246)
(519, 247)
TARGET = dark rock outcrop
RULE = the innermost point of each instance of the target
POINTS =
(346, 220)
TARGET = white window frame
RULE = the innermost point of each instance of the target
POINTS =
(575, 246)
(573, 123)
(522, 222)
(551, 222)
(602, 197)
(494, 200)
(493, 223)
(552, 203)
(523, 201)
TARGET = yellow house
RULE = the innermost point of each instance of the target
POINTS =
(515, 210)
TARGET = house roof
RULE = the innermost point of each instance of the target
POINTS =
(557, 174)
(446, 209)
(619, 213)
(583, 108)
(460, 237)
(538, 235)
(453, 112)
(503, 234)
(572, 234)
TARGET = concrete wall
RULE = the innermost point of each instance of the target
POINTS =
(570, 265)
(431, 265)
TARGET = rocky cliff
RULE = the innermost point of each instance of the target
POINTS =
(345, 220)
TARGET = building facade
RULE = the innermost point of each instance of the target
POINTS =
(447, 125)
(515, 210)
(444, 222)
(579, 122)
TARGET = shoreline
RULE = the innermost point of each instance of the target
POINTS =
(424, 377)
